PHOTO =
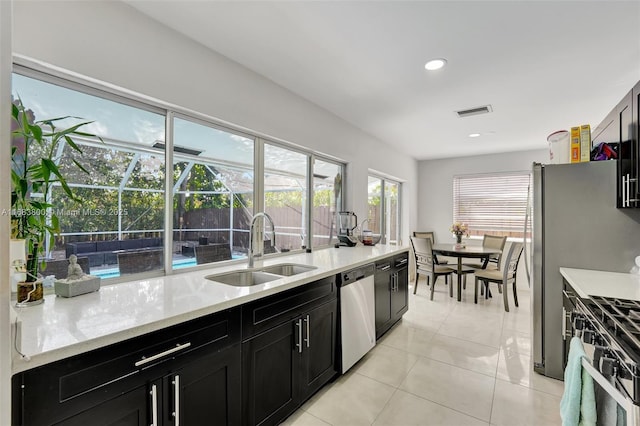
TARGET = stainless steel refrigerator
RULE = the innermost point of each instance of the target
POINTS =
(575, 224)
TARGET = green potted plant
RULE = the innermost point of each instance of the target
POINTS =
(34, 172)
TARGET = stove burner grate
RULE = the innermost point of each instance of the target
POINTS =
(622, 318)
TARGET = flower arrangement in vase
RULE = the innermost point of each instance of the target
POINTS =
(459, 229)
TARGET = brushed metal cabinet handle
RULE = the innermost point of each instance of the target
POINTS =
(146, 360)
(176, 397)
(307, 323)
(299, 342)
(628, 191)
(154, 405)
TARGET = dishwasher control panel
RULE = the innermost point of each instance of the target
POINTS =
(356, 274)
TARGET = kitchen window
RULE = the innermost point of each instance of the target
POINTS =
(212, 192)
(220, 177)
(491, 203)
(384, 208)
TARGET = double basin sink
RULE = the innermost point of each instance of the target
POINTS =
(249, 277)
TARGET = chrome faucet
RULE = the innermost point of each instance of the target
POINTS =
(251, 234)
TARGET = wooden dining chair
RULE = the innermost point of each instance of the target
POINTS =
(431, 236)
(425, 264)
(492, 242)
(501, 277)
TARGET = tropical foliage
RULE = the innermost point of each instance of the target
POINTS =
(34, 173)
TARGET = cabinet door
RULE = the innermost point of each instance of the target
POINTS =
(400, 294)
(270, 369)
(628, 152)
(382, 280)
(130, 409)
(205, 390)
(319, 348)
(635, 136)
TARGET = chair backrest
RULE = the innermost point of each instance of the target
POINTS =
(140, 261)
(425, 234)
(511, 262)
(213, 253)
(494, 242)
(423, 250)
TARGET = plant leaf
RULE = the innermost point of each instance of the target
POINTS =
(80, 166)
(72, 144)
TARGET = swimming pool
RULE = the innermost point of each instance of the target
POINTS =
(177, 264)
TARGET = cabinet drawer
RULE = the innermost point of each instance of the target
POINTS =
(54, 391)
(263, 314)
(401, 261)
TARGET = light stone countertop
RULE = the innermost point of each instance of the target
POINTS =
(588, 282)
(63, 327)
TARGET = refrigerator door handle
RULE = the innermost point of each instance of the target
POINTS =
(537, 268)
(524, 236)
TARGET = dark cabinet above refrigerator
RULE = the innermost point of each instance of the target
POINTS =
(620, 127)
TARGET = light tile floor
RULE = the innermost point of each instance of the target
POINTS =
(445, 363)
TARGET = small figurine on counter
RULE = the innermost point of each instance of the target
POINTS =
(75, 271)
(77, 282)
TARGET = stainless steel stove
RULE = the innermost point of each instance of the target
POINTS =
(610, 331)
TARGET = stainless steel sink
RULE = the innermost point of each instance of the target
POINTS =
(243, 278)
(249, 277)
(287, 269)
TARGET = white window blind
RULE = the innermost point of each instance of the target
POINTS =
(491, 203)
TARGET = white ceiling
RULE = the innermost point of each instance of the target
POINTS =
(542, 65)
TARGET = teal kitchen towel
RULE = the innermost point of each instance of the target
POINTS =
(578, 404)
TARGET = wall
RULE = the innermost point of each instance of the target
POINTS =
(114, 43)
(435, 179)
(5, 200)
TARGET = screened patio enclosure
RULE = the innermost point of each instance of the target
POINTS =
(118, 217)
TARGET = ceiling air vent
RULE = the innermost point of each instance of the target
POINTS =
(178, 148)
(474, 111)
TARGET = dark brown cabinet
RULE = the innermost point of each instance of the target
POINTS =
(391, 283)
(285, 364)
(129, 409)
(620, 127)
(190, 371)
(205, 389)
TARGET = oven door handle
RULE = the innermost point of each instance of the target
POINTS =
(621, 399)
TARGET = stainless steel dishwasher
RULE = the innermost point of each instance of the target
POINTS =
(357, 314)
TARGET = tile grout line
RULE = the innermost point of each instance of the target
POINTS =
(495, 381)
(442, 405)
(385, 405)
(423, 398)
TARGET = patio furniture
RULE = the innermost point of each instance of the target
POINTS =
(140, 261)
(212, 253)
(105, 252)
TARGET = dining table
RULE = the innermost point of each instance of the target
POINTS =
(463, 251)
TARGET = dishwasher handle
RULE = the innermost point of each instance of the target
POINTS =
(358, 274)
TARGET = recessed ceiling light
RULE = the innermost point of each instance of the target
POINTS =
(474, 135)
(435, 64)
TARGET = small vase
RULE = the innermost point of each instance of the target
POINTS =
(27, 296)
(458, 238)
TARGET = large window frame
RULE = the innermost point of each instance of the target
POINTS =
(492, 203)
(386, 225)
(73, 82)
